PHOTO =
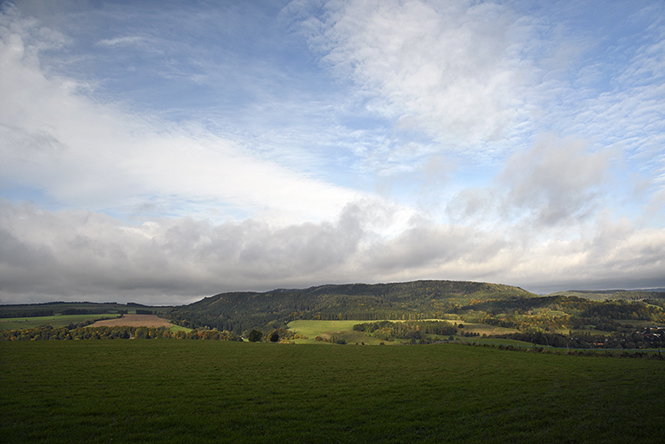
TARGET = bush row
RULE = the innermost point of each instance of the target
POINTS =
(47, 332)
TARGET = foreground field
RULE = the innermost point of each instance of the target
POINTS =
(208, 391)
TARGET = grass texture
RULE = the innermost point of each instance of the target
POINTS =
(171, 391)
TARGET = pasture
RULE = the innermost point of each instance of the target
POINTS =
(56, 321)
(170, 391)
(329, 330)
(344, 330)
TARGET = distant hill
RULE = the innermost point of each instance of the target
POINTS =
(76, 308)
(607, 295)
(240, 311)
(619, 311)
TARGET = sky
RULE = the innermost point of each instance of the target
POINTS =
(163, 151)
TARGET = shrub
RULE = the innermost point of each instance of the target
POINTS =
(255, 336)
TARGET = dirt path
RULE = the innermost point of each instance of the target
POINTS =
(134, 320)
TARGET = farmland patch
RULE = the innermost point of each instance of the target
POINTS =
(55, 321)
(134, 320)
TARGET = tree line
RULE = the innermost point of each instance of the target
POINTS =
(25, 313)
(388, 330)
(637, 339)
(47, 332)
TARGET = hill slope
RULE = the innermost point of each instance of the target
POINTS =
(240, 311)
(608, 295)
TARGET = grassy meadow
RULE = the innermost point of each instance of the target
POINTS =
(170, 391)
(56, 321)
(344, 330)
(329, 330)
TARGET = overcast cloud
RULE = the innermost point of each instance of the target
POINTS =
(160, 152)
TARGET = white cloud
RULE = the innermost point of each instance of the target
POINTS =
(556, 182)
(123, 41)
(452, 68)
(614, 96)
(556, 186)
(87, 154)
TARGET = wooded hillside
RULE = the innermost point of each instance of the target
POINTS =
(494, 304)
(241, 311)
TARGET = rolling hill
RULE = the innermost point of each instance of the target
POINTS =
(478, 302)
(240, 311)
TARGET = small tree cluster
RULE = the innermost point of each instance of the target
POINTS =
(416, 330)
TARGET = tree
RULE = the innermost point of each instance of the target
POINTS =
(255, 336)
(141, 333)
(274, 337)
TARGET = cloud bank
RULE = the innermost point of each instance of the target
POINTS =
(75, 255)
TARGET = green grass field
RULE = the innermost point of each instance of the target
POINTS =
(171, 391)
(175, 328)
(329, 329)
(55, 321)
(344, 330)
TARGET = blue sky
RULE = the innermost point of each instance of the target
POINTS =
(164, 151)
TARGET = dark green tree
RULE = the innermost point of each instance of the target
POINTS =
(274, 336)
(255, 336)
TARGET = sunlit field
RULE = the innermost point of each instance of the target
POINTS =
(331, 330)
(344, 330)
(172, 391)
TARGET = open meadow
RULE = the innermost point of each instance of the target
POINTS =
(55, 321)
(171, 391)
(330, 330)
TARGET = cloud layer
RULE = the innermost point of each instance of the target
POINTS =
(74, 255)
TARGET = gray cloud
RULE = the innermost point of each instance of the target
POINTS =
(87, 255)
(555, 181)
(79, 255)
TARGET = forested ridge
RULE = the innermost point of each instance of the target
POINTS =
(493, 304)
(619, 312)
(240, 311)
(73, 308)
